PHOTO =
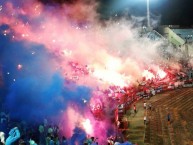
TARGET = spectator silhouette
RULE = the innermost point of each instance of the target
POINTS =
(14, 135)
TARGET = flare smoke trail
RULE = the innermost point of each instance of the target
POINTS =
(55, 55)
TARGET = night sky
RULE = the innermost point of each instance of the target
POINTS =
(177, 12)
(171, 12)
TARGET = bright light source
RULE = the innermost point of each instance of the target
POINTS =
(148, 14)
(161, 74)
(87, 126)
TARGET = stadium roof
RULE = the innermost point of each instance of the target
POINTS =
(186, 34)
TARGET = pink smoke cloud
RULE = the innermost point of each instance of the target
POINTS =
(90, 44)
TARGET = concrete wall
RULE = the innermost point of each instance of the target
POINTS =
(173, 37)
(176, 40)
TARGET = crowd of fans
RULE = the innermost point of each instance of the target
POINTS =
(14, 132)
(19, 133)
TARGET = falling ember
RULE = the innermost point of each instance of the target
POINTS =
(19, 66)
(87, 126)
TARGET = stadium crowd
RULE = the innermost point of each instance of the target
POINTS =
(14, 132)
